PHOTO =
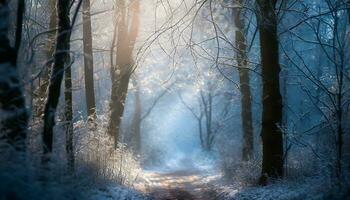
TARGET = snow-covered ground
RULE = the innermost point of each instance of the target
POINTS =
(193, 181)
(117, 193)
(307, 189)
(179, 184)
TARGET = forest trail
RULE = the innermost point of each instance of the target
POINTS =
(178, 185)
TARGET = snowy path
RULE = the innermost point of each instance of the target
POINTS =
(178, 185)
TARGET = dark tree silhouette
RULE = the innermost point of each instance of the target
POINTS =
(14, 115)
(60, 62)
(68, 98)
(49, 51)
(243, 70)
(88, 63)
(271, 134)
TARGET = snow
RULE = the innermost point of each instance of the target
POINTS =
(116, 193)
(307, 189)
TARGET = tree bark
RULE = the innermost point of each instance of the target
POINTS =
(49, 51)
(20, 12)
(272, 164)
(117, 106)
(124, 66)
(137, 119)
(340, 77)
(60, 62)
(246, 105)
(68, 97)
(88, 63)
(13, 121)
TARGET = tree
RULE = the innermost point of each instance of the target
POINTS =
(208, 126)
(137, 119)
(272, 141)
(243, 70)
(332, 82)
(122, 70)
(140, 114)
(49, 51)
(206, 99)
(61, 58)
(68, 98)
(88, 63)
(12, 103)
(210, 117)
(199, 117)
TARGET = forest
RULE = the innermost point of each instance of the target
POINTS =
(174, 99)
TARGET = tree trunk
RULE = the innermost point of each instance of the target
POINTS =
(246, 105)
(13, 122)
(68, 97)
(124, 66)
(88, 63)
(136, 122)
(348, 11)
(60, 61)
(117, 106)
(118, 79)
(209, 122)
(200, 129)
(272, 164)
(49, 50)
(19, 23)
(340, 70)
(207, 101)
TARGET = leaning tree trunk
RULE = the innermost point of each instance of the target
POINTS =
(13, 121)
(88, 64)
(246, 105)
(59, 64)
(272, 164)
(49, 51)
(124, 66)
(117, 104)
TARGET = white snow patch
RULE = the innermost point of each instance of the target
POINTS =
(117, 193)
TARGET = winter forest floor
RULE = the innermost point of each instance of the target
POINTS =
(183, 184)
(204, 184)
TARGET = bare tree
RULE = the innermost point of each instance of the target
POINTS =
(198, 116)
(331, 100)
(272, 165)
(122, 70)
(12, 103)
(61, 58)
(49, 51)
(88, 63)
(243, 70)
(141, 112)
(203, 112)
(68, 97)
